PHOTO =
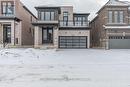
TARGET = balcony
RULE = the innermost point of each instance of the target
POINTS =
(74, 24)
(49, 22)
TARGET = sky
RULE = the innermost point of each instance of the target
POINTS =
(83, 6)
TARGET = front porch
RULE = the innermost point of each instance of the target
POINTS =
(46, 37)
(10, 33)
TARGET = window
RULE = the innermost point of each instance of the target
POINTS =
(42, 16)
(52, 16)
(121, 16)
(110, 17)
(31, 18)
(116, 16)
(80, 20)
(47, 16)
(65, 18)
(7, 8)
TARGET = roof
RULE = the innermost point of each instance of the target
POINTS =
(29, 11)
(48, 7)
(115, 3)
(9, 18)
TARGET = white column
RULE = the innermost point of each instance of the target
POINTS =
(55, 37)
(36, 36)
(20, 33)
(13, 33)
(88, 42)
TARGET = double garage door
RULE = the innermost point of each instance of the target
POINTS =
(72, 42)
(119, 42)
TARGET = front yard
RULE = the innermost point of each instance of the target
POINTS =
(64, 68)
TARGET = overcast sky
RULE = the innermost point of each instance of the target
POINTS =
(84, 6)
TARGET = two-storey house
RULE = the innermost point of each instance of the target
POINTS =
(111, 26)
(59, 27)
(15, 24)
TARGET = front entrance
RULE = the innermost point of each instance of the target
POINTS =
(73, 42)
(47, 35)
(6, 33)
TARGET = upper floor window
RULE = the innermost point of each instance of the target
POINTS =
(47, 16)
(121, 16)
(115, 17)
(65, 18)
(110, 15)
(80, 20)
(7, 8)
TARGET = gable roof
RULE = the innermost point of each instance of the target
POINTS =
(115, 3)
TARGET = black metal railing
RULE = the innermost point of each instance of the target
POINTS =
(74, 23)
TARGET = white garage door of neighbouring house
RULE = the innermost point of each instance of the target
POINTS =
(73, 42)
(119, 42)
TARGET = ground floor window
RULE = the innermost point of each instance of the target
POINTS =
(47, 35)
(6, 33)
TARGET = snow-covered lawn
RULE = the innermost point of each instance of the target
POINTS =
(64, 68)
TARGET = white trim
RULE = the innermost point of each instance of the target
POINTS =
(116, 27)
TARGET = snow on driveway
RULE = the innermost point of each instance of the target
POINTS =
(64, 68)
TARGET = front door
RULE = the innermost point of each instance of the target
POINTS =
(47, 35)
(6, 33)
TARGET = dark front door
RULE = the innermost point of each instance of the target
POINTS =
(6, 33)
(47, 35)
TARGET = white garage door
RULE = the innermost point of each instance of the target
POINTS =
(119, 42)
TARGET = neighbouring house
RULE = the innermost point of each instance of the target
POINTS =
(111, 26)
(59, 27)
(16, 29)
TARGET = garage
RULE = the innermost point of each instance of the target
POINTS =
(119, 42)
(76, 42)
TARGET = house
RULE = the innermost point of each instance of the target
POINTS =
(59, 27)
(16, 29)
(111, 26)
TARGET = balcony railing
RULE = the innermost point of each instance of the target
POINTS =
(74, 24)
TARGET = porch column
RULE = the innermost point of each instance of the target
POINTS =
(37, 37)
(20, 33)
(13, 33)
(1, 34)
(55, 39)
(88, 42)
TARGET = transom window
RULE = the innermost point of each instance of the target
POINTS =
(7, 8)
